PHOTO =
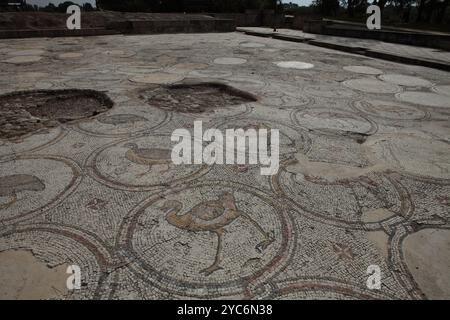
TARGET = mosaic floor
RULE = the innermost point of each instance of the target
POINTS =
(364, 177)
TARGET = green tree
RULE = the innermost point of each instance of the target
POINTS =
(327, 7)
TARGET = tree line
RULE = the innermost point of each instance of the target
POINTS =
(185, 5)
(419, 11)
(405, 11)
(24, 6)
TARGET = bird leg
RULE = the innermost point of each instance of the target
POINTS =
(10, 203)
(146, 172)
(268, 236)
(215, 266)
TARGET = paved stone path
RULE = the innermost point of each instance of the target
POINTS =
(375, 45)
(364, 180)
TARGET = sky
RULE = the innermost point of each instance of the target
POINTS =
(44, 3)
(299, 2)
(56, 2)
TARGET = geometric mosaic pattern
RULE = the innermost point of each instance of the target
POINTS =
(364, 176)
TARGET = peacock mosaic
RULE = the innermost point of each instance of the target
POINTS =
(363, 180)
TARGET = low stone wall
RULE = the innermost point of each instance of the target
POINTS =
(253, 18)
(173, 26)
(241, 19)
(15, 34)
(314, 26)
(410, 38)
(107, 22)
(298, 22)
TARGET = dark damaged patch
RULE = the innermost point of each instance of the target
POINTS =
(25, 112)
(195, 97)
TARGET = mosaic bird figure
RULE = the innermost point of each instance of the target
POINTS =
(148, 156)
(11, 185)
(212, 216)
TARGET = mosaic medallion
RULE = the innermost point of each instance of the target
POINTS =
(23, 59)
(203, 237)
(330, 91)
(403, 80)
(445, 90)
(99, 81)
(28, 52)
(157, 78)
(252, 45)
(230, 61)
(187, 67)
(363, 70)
(247, 83)
(136, 69)
(124, 120)
(333, 121)
(370, 85)
(294, 65)
(119, 53)
(413, 154)
(141, 164)
(28, 186)
(389, 110)
(214, 74)
(424, 98)
(290, 140)
(40, 139)
(280, 94)
(340, 202)
(70, 55)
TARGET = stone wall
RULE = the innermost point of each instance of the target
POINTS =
(424, 39)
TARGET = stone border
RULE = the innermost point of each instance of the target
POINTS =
(351, 49)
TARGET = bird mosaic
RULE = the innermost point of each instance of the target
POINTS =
(149, 157)
(11, 185)
(213, 216)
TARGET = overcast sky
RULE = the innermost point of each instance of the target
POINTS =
(43, 3)
(299, 2)
(56, 2)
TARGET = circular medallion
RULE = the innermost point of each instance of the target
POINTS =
(333, 120)
(363, 70)
(294, 65)
(413, 154)
(330, 91)
(141, 164)
(424, 98)
(445, 90)
(391, 110)
(32, 185)
(157, 78)
(370, 85)
(230, 61)
(124, 120)
(408, 81)
(206, 241)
